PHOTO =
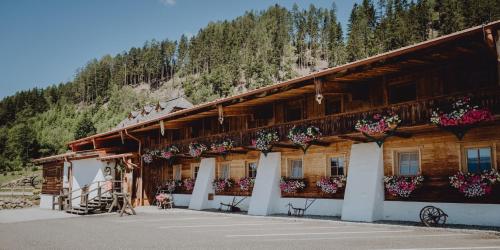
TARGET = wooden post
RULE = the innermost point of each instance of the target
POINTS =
(497, 46)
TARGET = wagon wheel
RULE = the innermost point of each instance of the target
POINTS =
(432, 216)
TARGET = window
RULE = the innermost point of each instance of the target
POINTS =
(408, 163)
(479, 159)
(196, 168)
(252, 169)
(337, 166)
(333, 106)
(402, 92)
(177, 172)
(224, 171)
(296, 169)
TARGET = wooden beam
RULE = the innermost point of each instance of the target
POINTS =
(353, 138)
(321, 143)
(284, 145)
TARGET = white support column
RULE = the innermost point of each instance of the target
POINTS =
(364, 194)
(203, 185)
(266, 192)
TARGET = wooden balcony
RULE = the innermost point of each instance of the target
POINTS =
(413, 113)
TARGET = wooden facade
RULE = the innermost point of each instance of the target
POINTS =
(409, 81)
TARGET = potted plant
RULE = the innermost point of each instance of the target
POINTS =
(265, 140)
(147, 156)
(169, 152)
(379, 126)
(402, 186)
(172, 185)
(331, 185)
(303, 136)
(291, 185)
(475, 185)
(196, 149)
(459, 116)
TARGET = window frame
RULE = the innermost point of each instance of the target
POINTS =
(247, 168)
(289, 167)
(194, 173)
(328, 169)
(396, 156)
(174, 168)
(463, 154)
(219, 169)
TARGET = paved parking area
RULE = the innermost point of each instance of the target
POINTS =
(185, 229)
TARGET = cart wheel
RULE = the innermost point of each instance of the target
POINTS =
(432, 216)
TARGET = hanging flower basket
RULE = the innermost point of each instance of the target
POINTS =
(169, 152)
(196, 149)
(221, 184)
(378, 127)
(304, 136)
(188, 184)
(246, 183)
(289, 185)
(223, 147)
(148, 156)
(265, 140)
(402, 186)
(460, 116)
(172, 185)
(475, 185)
(330, 185)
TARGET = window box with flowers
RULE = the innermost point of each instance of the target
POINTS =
(222, 147)
(303, 136)
(459, 116)
(265, 141)
(475, 185)
(402, 186)
(196, 149)
(222, 185)
(290, 186)
(331, 185)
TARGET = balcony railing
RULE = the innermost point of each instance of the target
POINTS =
(411, 113)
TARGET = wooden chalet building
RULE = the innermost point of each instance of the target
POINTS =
(409, 82)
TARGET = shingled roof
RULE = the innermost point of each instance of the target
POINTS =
(151, 112)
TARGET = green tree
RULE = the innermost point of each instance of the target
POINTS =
(85, 127)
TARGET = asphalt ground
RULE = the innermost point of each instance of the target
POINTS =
(186, 229)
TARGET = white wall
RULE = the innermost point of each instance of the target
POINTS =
(46, 201)
(364, 194)
(203, 185)
(266, 191)
(323, 207)
(459, 213)
(181, 199)
(86, 171)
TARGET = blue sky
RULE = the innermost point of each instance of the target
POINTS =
(45, 42)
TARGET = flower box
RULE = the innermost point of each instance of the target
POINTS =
(265, 140)
(246, 184)
(331, 185)
(221, 184)
(196, 149)
(475, 185)
(291, 185)
(402, 186)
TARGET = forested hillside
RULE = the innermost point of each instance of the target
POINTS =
(225, 57)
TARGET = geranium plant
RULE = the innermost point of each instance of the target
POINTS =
(147, 156)
(330, 185)
(303, 136)
(378, 124)
(169, 152)
(475, 185)
(265, 140)
(459, 116)
(290, 185)
(188, 184)
(222, 147)
(222, 184)
(196, 149)
(246, 183)
(402, 186)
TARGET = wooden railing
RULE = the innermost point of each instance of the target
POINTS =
(85, 192)
(411, 113)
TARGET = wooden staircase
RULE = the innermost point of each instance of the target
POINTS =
(97, 200)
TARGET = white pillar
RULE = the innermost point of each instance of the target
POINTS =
(203, 185)
(364, 194)
(266, 192)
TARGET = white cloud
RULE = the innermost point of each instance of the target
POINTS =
(168, 2)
